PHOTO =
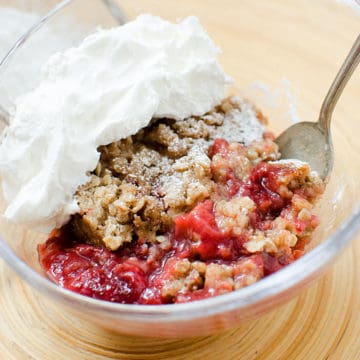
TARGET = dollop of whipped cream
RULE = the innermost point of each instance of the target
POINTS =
(106, 89)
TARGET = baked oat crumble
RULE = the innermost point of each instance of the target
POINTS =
(185, 210)
(141, 183)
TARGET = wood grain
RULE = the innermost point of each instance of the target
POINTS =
(324, 321)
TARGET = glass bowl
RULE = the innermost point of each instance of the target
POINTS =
(283, 59)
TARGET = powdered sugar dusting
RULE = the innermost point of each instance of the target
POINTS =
(241, 126)
(295, 162)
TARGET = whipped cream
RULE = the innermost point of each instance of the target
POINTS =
(106, 89)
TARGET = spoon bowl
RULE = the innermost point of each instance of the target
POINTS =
(307, 141)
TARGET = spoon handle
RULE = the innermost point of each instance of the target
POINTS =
(337, 87)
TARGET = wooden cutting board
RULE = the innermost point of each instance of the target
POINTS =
(322, 323)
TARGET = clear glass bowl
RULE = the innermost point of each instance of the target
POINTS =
(285, 68)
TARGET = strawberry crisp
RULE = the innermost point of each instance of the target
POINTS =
(185, 210)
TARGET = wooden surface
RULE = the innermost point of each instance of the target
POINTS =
(322, 323)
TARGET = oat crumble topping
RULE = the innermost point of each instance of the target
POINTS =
(141, 183)
(185, 210)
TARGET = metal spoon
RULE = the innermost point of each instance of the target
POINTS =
(311, 141)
